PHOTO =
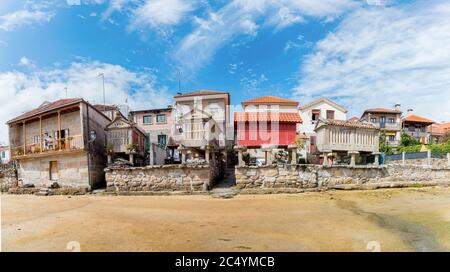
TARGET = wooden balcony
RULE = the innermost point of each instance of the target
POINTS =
(65, 145)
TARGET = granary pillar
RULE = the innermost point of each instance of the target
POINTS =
(131, 158)
(207, 154)
(240, 150)
(293, 153)
(377, 158)
(325, 158)
(183, 155)
(353, 157)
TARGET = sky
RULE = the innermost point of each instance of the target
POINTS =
(359, 53)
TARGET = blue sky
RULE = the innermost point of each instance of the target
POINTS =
(358, 53)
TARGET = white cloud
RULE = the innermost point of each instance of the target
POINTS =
(380, 56)
(24, 91)
(241, 17)
(24, 61)
(158, 13)
(13, 20)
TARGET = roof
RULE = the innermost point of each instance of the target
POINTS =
(285, 117)
(347, 123)
(152, 110)
(323, 100)
(271, 100)
(381, 110)
(105, 107)
(353, 119)
(200, 92)
(437, 128)
(417, 119)
(46, 107)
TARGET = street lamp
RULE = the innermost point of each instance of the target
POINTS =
(103, 78)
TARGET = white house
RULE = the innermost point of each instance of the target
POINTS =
(4, 154)
(310, 113)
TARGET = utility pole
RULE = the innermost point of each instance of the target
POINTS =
(179, 81)
(65, 88)
(104, 96)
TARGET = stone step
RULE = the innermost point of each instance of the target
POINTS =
(43, 192)
(224, 192)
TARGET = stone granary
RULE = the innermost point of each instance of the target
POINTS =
(267, 125)
(201, 124)
(124, 139)
(337, 138)
(61, 141)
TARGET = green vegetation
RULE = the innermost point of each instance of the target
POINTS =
(384, 147)
(406, 140)
(410, 149)
(440, 148)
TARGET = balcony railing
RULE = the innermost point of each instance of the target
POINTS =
(64, 144)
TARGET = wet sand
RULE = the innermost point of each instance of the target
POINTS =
(413, 219)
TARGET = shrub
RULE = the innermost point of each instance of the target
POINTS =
(410, 149)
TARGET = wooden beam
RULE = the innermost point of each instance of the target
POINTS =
(40, 131)
(24, 139)
(59, 130)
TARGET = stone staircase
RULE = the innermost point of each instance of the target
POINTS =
(225, 188)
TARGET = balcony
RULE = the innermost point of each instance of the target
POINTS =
(64, 145)
(388, 126)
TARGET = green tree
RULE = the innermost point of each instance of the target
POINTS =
(384, 147)
(406, 140)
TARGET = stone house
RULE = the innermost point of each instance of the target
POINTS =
(310, 114)
(267, 125)
(157, 125)
(202, 124)
(62, 141)
(124, 140)
(338, 139)
(437, 131)
(5, 155)
(416, 127)
(389, 121)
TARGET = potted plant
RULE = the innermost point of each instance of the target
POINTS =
(109, 149)
(132, 148)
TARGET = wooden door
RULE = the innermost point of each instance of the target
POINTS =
(54, 175)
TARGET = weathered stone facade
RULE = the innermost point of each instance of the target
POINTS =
(318, 177)
(159, 178)
(8, 179)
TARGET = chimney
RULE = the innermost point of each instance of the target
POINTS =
(410, 111)
(397, 106)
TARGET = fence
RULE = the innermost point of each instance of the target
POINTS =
(435, 159)
(408, 156)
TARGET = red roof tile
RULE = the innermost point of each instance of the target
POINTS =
(271, 100)
(353, 119)
(417, 119)
(347, 123)
(286, 117)
(46, 107)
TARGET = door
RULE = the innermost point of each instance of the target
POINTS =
(54, 175)
(382, 121)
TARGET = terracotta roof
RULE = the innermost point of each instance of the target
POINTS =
(200, 92)
(417, 119)
(286, 117)
(271, 100)
(441, 128)
(353, 119)
(46, 107)
(347, 123)
(382, 110)
(105, 107)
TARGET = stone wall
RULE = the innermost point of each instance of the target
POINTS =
(8, 179)
(72, 170)
(318, 177)
(159, 178)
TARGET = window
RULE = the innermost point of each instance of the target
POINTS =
(391, 120)
(373, 120)
(315, 115)
(391, 138)
(3, 155)
(147, 119)
(160, 118)
(330, 114)
(162, 140)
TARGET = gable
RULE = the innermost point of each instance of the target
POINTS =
(323, 103)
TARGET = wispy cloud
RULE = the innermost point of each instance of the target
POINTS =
(379, 56)
(241, 17)
(161, 13)
(13, 20)
(27, 90)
